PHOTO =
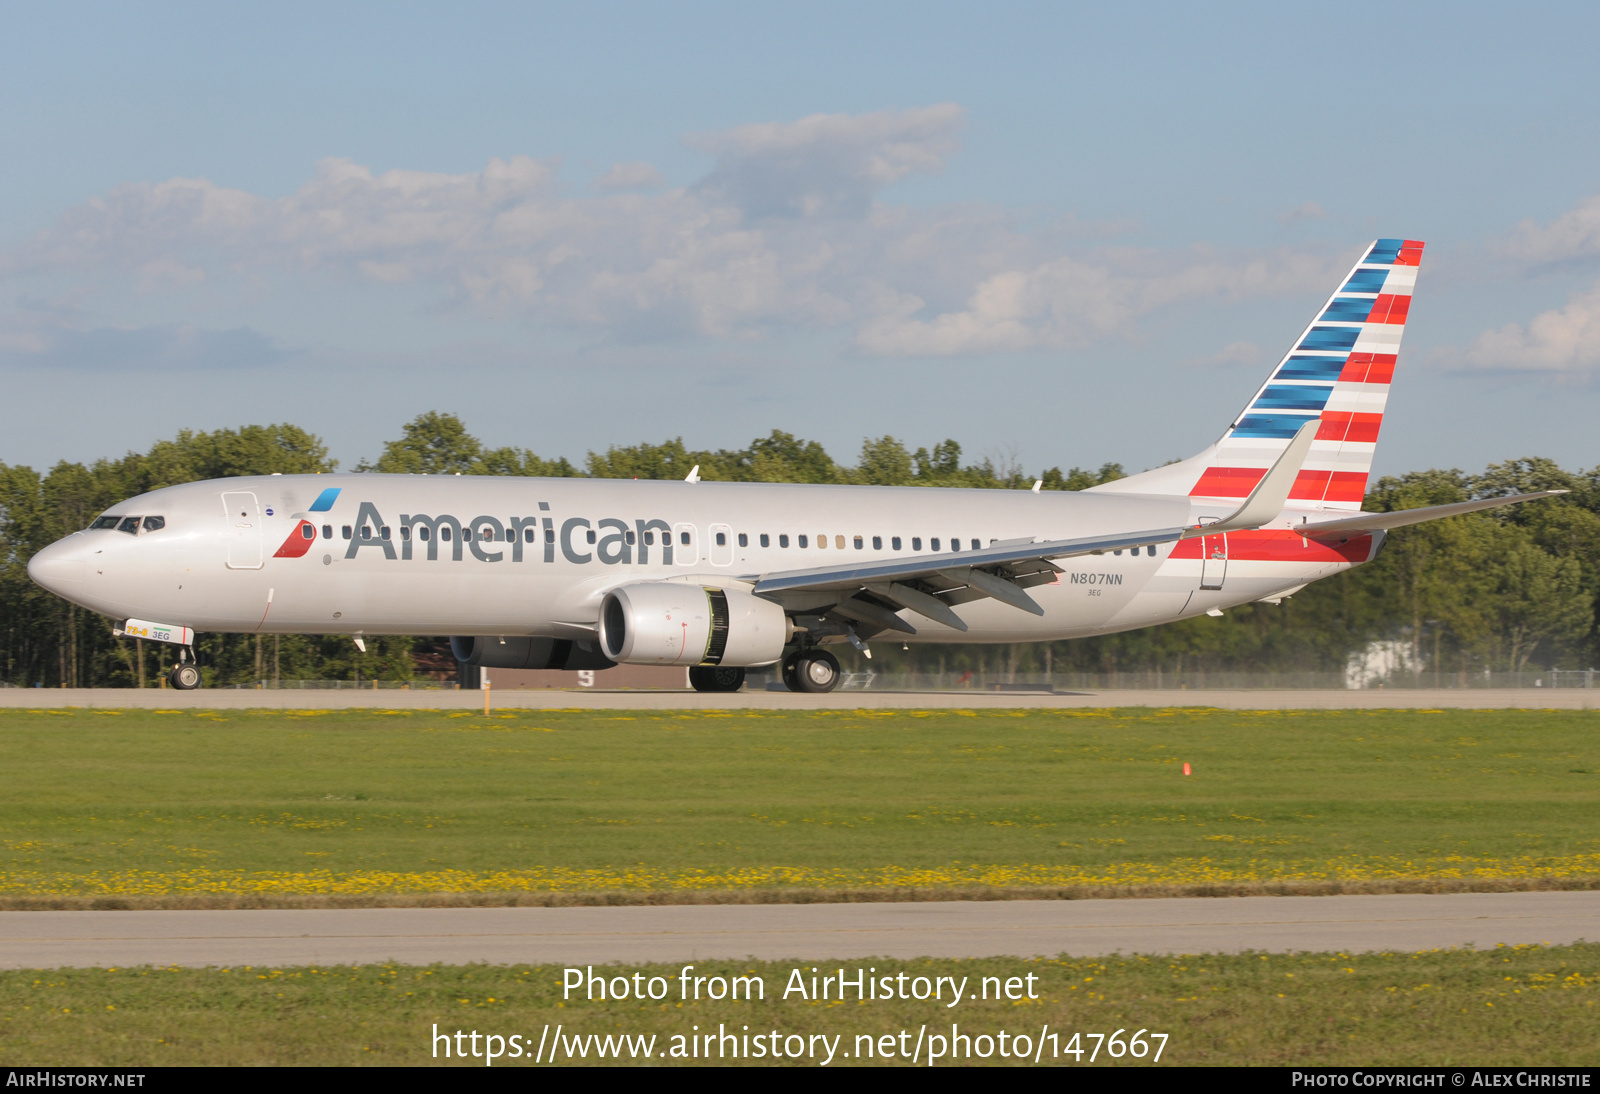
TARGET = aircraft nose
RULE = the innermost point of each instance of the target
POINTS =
(62, 566)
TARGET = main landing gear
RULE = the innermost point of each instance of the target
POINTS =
(185, 675)
(812, 670)
(716, 678)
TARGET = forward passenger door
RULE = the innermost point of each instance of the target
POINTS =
(244, 530)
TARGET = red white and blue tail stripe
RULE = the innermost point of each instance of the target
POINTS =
(1338, 373)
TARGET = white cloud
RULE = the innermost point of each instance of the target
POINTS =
(1564, 340)
(788, 229)
(629, 176)
(143, 349)
(1067, 302)
(1234, 353)
(1308, 210)
(1573, 236)
(827, 164)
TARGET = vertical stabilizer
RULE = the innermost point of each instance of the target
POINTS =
(1337, 374)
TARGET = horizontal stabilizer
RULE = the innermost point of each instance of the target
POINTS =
(1362, 523)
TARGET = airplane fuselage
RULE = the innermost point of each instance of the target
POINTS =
(462, 555)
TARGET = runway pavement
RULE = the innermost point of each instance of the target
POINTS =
(689, 933)
(595, 699)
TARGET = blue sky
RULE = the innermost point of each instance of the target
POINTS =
(1060, 234)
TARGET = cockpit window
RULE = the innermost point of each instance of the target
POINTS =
(105, 522)
(154, 524)
(129, 525)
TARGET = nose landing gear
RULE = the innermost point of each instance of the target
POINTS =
(185, 675)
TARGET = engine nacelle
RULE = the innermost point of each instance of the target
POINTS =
(522, 652)
(676, 623)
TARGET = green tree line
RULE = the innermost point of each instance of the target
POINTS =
(1511, 589)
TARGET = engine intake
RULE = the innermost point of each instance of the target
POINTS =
(675, 623)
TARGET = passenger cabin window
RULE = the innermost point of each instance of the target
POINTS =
(344, 530)
(384, 531)
(105, 522)
(916, 543)
(744, 540)
(933, 544)
(1151, 550)
(589, 536)
(549, 535)
(527, 535)
(327, 531)
(627, 537)
(974, 545)
(649, 539)
(838, 541)
(444, 533)
(801, 540)
(857, 542)
(766, 540)
(895, 543)
(722, 539)
(783, 541)
(154, 524)
(308, 531)
(877, 543)
(129, 525)
(822, 543)
(366, 531)
(683, 538)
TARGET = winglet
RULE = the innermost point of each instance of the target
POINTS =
(1267, 499)
(693, 475)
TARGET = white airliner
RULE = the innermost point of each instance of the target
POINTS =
(586, 573)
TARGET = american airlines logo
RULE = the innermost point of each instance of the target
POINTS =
(610, 541)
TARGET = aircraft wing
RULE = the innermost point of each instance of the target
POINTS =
(929, 584)
(1363, 523)
(873, 593)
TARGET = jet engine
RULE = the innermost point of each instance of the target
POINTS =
(521, 652)
(675, 623)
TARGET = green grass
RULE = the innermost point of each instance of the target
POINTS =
(159, 807)
(1522, 1005)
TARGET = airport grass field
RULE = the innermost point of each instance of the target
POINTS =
(203, 808)
(1520, 1006)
